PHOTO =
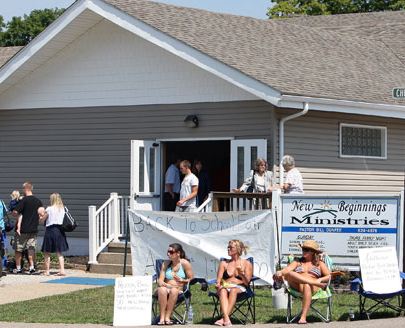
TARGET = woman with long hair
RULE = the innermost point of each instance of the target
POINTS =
(175, 273)
(55, 238)
(259, 180)
(233, 277)
(306, 275)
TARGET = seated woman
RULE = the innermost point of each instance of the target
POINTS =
(259, 180)
(306, 275)
(233, 277)
(175, 273)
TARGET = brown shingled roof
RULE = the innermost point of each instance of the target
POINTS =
(6, 53)
(294, 58)
(297, 60)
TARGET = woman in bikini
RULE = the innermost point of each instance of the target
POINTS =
(175, 273)
(233, 277)
(306, 275)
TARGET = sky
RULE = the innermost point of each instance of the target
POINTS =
(253, 8)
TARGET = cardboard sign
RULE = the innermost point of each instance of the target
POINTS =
(379, 270)
(133, 301)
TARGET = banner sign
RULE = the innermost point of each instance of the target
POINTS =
(341, 225)
(204, 237)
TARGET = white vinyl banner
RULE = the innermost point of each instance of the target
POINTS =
(204, 237)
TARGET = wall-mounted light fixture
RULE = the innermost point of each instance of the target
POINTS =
(191, 121)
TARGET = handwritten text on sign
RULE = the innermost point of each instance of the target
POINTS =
(133, 301)
(204, 237)
(379, 270)
(341, 225)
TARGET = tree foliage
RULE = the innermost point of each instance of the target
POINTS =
(288, 8)
(21, 30)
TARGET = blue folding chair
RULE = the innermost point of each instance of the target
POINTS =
(183, 300)
(245, 306)
(377, 301)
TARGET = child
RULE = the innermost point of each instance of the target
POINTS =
(15, 199)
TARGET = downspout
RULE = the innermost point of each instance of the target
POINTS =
(281, 136)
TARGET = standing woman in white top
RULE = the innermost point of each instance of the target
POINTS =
(55, 238)
(293, 180)
(259, 180)
(188, 190)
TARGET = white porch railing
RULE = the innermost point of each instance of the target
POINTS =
(107, 224)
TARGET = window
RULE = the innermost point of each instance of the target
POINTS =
(363, 141)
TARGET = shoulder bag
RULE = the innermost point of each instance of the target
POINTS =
(69, 223)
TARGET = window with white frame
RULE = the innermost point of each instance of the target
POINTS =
(363, 141)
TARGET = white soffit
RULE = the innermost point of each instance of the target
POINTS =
(56, 37)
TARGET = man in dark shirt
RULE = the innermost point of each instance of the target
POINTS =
(27, 238)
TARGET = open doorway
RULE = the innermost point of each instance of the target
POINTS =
(214, 155)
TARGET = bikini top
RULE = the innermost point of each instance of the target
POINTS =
(315, 271)
(226, 275)
(180, 273)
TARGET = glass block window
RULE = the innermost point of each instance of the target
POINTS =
(362, 141)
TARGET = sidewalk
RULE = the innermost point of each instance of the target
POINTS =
(376, 323)
(22, 287)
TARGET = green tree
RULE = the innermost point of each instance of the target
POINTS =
(288, 8)
(21, 30)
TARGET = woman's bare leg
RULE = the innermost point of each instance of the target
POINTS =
(162, 298)
(306, 302)
(231, 303)
(223, 301)
(297, 278)
(171, 302)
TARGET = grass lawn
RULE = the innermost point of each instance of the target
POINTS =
(96, 306)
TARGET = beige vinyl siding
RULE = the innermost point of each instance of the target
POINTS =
(313, 140)
(84, 153)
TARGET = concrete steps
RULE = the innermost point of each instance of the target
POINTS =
(112, 261)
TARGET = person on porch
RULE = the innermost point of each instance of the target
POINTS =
(259, 180)
(188, 190)
(172, 186)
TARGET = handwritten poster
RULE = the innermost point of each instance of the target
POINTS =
(133, 301)
(379, 270)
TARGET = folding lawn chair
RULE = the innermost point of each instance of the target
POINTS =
(322, 296)
(245, 306)
(183, 300)
(371, 301)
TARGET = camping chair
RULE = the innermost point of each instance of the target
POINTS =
(377, 301)
(183, 300)
(245, 306)
(321, 296)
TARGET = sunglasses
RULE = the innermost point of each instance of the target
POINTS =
(307, 250)
(169, 251)
(230, 247)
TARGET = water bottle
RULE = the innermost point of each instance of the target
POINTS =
(190, 315)
(351, 315)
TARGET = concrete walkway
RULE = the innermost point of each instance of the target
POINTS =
(377, 323)
(22, 287)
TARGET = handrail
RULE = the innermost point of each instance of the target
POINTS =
(106, 224)
(240, 201)
(206, 205)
